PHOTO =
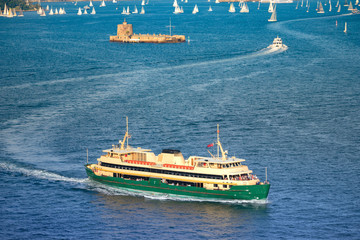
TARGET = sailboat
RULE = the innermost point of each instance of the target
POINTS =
(21, 14)
(181, 10)
(91, 4)
(357, 2)
(47, 7)
(14, 12)
(196, 10)
(297, 5)
(330, 8)
(259, 5)
(124, 11)
(51, 12)
(175, 4)
(339, 8)
(186, 1)
(273, 17)
(345, 30)
(308, 8)
(79, 12)
(321, 9)
(10, 13)
(216, 1)
(307, 3)
(350, 7)
(102, 4)
(43, 14)
(232, 8)
(271, 8)
(302, 3)
(142, 10)
(244, 8)
(346, 3)
(75, 3)
(56, 11)
(85, 12)
(128, 11)
(210, 9)
(337, 3)
(135, 10)
(93, 12)
(177, 10)
(114, 1)
(143, 3)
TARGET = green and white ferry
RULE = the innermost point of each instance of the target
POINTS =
(215, 177)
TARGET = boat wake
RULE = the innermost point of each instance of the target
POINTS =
(39, 174)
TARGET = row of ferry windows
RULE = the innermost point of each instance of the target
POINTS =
(185, 174)
(218, 165)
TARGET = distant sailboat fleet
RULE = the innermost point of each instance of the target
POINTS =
(243, 5)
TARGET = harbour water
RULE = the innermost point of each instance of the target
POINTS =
(65, 88)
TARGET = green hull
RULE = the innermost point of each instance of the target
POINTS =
(251, 192)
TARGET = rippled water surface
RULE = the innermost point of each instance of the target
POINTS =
(65, 88)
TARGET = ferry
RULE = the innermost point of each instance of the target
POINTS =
(214, 177)
(277, 44)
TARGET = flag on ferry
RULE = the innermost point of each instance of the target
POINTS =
(210, 145)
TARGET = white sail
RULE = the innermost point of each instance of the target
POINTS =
(43, 14)
(14, 12)
(308, 7)
(271, 8)
(10, 13)
(259, 5)
(102, 4)
(124, 11)
(114, 1)
(181, 10)
(297, 5)
(210, 9)
(244, 8)
(357, 2)
(217, 1)
(350, 7)
(51, 12)
(93, 12)
(330, 8)
(85, 12)
(91, 4)
(128, 11)
(339, 8)
(307, 3)
(273, 17)
(186, 1)
(142, 10)
(175, 4)
(196, 10)
(302, 3)
(321, 9)
(61, 11)
(345, 30)
(5, 10)
(135, 10)
(79, 12)
(56, 11)
(177, 10)
(232, 8)
(143, 3)
(337, 3)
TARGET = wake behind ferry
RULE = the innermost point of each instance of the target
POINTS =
(215, 177)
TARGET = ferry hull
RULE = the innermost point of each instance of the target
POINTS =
(250, 192)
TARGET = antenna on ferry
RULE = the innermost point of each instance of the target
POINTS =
(266, 174)
(127, 132)
(87, 156)
(218, 140)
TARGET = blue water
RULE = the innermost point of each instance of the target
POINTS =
(65, 88)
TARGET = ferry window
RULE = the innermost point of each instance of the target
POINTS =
(225, 186)
(215, 185)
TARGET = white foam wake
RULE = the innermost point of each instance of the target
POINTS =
(40, 174)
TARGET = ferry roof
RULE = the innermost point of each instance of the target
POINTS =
(219, 160)
(128, 150)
